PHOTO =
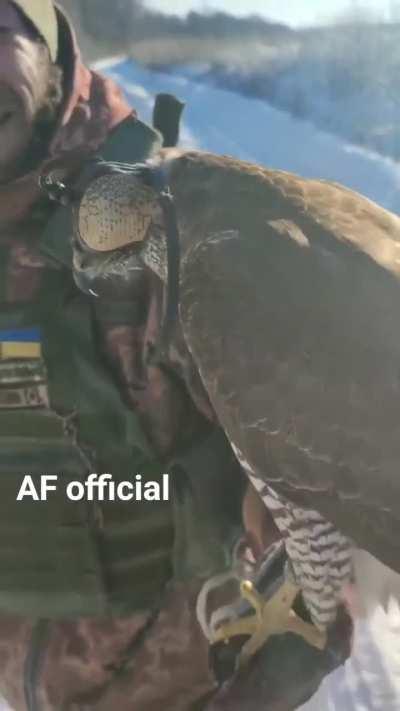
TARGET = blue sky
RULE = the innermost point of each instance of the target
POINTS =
(294, 12)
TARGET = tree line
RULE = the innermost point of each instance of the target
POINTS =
(125, 21)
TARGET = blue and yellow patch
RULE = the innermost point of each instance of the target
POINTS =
(23, 374)
(20, 343)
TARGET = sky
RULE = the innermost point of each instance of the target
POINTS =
(293, 12)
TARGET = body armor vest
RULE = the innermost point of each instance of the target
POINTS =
(61, 413)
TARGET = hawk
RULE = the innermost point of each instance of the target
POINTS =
(289, 303)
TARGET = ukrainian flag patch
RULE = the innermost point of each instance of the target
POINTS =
(20, 343)
(23, 373)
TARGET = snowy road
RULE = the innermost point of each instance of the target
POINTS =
(225, 122)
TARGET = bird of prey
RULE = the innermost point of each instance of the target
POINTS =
(289, 307)
(290, 303)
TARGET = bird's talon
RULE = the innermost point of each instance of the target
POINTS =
(272, 617)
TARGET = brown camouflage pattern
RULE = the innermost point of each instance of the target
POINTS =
(142, 663)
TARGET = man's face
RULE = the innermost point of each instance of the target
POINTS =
(23, 84)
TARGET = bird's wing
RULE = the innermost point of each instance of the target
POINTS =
(293, 320)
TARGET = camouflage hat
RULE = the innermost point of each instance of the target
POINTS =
(42, 15)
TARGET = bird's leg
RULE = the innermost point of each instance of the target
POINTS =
(271, 617)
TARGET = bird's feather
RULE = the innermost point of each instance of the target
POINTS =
(290, 304)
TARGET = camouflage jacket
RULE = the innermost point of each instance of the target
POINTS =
(89, 663)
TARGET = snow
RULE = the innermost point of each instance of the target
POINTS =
(370, 680)
(251, 129)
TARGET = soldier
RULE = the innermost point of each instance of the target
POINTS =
(97, 599)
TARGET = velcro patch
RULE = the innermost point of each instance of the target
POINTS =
(22, 343)
(18, 372)
(29, 396)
